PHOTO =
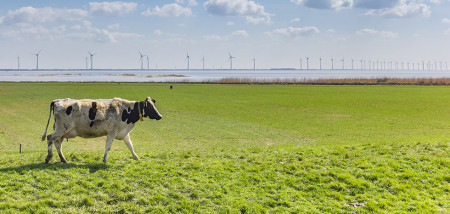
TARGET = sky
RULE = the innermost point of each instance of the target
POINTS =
(276, 33)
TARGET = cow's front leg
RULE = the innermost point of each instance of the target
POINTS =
(109, 140)
(127, 141)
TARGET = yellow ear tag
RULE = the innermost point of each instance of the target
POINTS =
(140, 117)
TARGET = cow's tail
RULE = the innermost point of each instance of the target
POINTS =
(52, 105)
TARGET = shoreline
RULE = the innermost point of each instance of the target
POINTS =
(330, 81)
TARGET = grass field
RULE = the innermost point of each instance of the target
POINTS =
(235, 149)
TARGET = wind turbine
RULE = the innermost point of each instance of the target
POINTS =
(320, 63)
(92, 59)
(231, 60)
(342, 63)
(361, 63)
(187, 58)
(352, 64)
(141, 60)
(37, 59)
(301, 64)
(254, 64)
(86, 63)
(332, 64)
(148, 63)
(307, 63)
(18, 63)
(203, 63)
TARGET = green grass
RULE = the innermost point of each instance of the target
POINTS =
(235, 149)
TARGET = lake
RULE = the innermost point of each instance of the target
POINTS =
(179, 75)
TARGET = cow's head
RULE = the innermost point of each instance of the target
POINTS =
(150, 110)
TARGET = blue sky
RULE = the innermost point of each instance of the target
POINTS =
(275, 33)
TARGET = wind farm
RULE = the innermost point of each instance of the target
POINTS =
(318, 63)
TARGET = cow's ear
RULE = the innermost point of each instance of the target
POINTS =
(154, 101)
(146, 99)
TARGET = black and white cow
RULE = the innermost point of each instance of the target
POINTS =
(114, 118)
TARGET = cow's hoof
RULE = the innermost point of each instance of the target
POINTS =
(63, 161)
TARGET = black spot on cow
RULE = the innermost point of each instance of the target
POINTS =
(132, 115)
(93, 111)
(69, 110)
(124, 115)
(91, 124)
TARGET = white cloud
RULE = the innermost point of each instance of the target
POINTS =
(242, 33)
(113, 26)
(157, 32)
(190, 2)
(239, 33)
(116, 8)
(295, 20)
(331, 30)
(258, 20)
(402, 10)
(383, 34)
(435, 1)
(445, 20)
(254, 12)
(325, 4)
(447, 32)
(29, 15)
(168, 10)
(366, 31)
(90, 33)
(230, 23)
(294, 32)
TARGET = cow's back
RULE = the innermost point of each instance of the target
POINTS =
(90, 117)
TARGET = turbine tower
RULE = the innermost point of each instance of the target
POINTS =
(320, 63)
(188, 59)
(307, 63)
(37, 59)
(148, 63)
(87, 63)
(254, 64)
(141, 59)
(203, 63)
(332, 66)
(231, 60)
(301, 64)
(352, 64)
(18, 63)
(92, 59)
(342, 63)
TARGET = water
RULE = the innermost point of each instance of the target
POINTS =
(206, 75)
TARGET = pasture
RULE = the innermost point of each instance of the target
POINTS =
(235, 149)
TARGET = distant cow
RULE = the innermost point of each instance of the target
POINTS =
(114, 118)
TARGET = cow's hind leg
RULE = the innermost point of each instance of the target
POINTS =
(127, 141)
(109, 140)
(58, 145)
(50, 148)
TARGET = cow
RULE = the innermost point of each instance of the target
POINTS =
(89, 118)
